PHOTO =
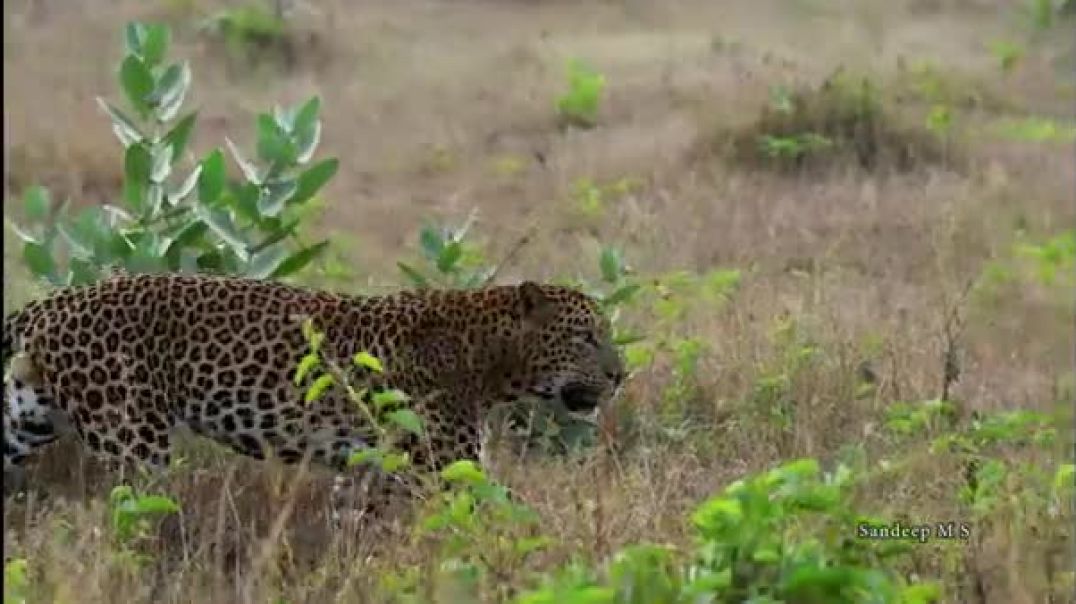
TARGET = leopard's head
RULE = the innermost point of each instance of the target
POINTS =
(566, 354)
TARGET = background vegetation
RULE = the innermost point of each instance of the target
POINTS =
(837, 239)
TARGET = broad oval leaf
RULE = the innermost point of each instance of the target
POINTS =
(211, 178)
(161, 163)
(313, 178)
(368, 361)
(298, 261)
(180, 134)
(155, 39)
(318, 388)
(38, 258)
(416, 277)
(275, 196)
(36, 203)
(124, 128)
(221, 224)
(137, 83)
(250, 171)
(463, 470)
(406, 419)
(169, 95)
(180, 192)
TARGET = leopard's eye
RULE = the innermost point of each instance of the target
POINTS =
(588, 337)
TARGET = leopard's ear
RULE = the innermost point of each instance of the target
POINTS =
(536, 308)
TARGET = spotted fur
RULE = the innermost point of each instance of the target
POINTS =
(127, 359)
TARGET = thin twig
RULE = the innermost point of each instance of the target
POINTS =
(524, 240)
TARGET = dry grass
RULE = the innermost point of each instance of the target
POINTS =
(421, 105)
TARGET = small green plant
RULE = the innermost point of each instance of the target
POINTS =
(579, 105)
(246, 28)
(1040, 14)
(794, 147)
(591, 199)
(482, 537)
(1036, 130)
(1051, 259)
(841, 118)
(16, 581)
(940, 121)
(197, 222)
(384, 409)
(451, 261)
(131, 512)
(786, 535)
(1008, 54)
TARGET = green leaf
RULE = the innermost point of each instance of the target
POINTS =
(137, 83)
(318, 388)
(307, 363)
(313, 178)
(627, 338)
(133, 34)
(179, 193)
(450, 254)
(265, 262)
(243, 198)
(298, 261)
(368, 361)
(274, 145)
(406, 419)
(154, 43)
(250, 171)
(307, 143)
(274, 196)
(307, 116)
(171, 91)
(21, 233)
(154, 197)
(190, 233)
(364, 456)
(394, 462)
(137, 164)
(416, 277)
(145, 256)
(180, 134)
(389, 398)
(276, 235)
(39, 260)
(221, 224)
(154, 504)
(463, 470)
(285, 118)
(36, 203)
(161, 163)
(123, 127)
(307, 129)
(211, 178)
(432, 243)
(622, 294)
(612, 266)
(1063, 478)
(80, 247)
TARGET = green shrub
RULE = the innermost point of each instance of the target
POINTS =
(842, 119)
(199, 221)
(790, 534)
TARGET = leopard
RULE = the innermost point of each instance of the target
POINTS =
(127, 360)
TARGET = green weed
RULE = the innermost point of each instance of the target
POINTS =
(579, 105)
